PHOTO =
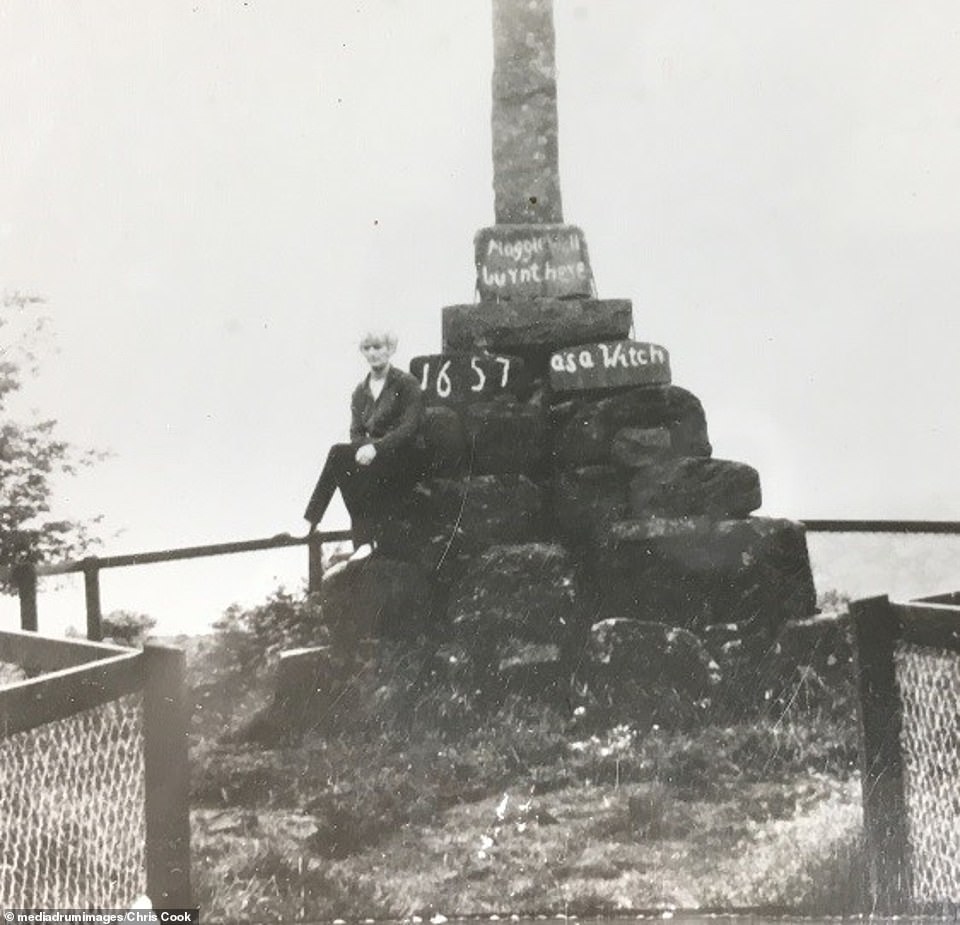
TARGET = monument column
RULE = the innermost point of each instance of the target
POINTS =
(534, 281)
(526, 170)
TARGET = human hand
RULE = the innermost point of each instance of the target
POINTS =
(365, 455)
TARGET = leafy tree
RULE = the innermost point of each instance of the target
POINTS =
(31, 455)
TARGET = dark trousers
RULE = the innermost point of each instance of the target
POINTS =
(370, 492)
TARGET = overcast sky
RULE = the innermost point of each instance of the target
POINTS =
(214, 198)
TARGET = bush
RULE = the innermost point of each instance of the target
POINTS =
(126, 628)
(248, 641)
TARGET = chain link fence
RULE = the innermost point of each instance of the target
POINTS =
(908, 676)
(72, 810)
(929, 683)
(94, 775)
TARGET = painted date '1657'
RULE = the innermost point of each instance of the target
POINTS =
(459, 376)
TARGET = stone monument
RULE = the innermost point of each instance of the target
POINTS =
(572, 531)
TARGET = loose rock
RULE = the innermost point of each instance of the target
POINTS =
(374, 597)
(696, 485)
(694, 571)
(639, 671)
(542, 324)
(473, 512)
(588, 434)
(505, 437)
(444, 442)
(525, 592)
(639, 447)
(587, 497)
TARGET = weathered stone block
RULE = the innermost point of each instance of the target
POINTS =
(586, 437)
(532, 262)
(639, 447)
(304, 677)
(505, 436)
(444, 442)
(526, 592)
(374, 597)
(307, 683)
(540, 324)
(809, 664)
(639, 671)
(586, 497)
(694, 571)
(695, 485)
(510, 667)
(461, 378)
(611, 365)
(473, 512)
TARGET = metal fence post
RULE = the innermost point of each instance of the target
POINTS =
(167, 777)
(25, 578)
(91, 584)
(876, 627)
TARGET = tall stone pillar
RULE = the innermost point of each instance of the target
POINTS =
(526, 169)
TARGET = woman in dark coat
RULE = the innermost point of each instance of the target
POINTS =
(381, 461)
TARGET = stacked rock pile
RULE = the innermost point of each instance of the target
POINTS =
(571, 525)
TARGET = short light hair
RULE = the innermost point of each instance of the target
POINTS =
(378, 336)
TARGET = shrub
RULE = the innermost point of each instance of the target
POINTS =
(248, 641)
(127, 628)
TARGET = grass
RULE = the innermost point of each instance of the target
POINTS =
(433, 803)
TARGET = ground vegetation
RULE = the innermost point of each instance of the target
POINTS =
(417, 796)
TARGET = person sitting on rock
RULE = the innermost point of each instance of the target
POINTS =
(381, 460)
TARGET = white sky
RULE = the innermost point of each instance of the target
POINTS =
(214, 196)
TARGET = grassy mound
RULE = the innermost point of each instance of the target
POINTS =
(429, 799)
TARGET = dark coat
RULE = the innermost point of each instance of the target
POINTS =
(390, 421)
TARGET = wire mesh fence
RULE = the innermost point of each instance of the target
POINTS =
(72, 810)
(929, 683)
(908, 676)
(94, 776)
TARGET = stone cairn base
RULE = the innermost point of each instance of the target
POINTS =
(572, 538)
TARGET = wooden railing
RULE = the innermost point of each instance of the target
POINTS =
(25, 576)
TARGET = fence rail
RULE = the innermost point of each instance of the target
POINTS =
(882, 526)
(94, 780)
(62, 693)
(25, 575)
